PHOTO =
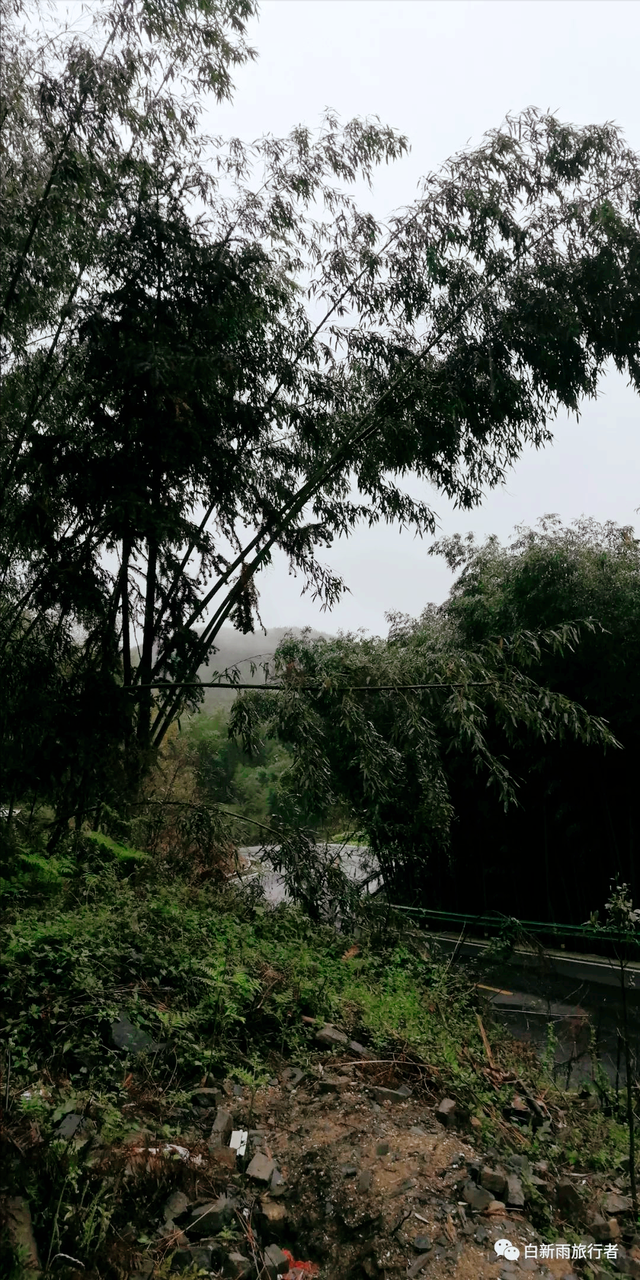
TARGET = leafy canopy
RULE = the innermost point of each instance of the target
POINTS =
(380, 727)
(210, 351)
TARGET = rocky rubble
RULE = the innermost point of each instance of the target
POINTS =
(366, 1180)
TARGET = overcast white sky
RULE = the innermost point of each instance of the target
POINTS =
(443, 73)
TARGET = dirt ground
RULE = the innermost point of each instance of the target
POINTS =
(364, 1180)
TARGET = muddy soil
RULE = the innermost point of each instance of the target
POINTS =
(371, 1189)
(369, 1181)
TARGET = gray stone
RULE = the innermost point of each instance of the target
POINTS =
(275, 1262)
(419, 1265)
(392, 1095)
(382, 1149)
(292, 1077)
(222, 1128)
(360, 1050)
(595, 1222)
(515, 1192)
(329, 1036)
(175, 1207)
(421, 1244)
(237, 1266)
(476, 1197)
(69, 1125)
(334, 1084)
(273, 1215)
(348, 1170)
(568, 1197)
(207, 1219)
(277, 1186)
(495, 1182)
(446, 1111)
(364, 1181)
(131, 1039)
(614, 1203)
(261, 1168)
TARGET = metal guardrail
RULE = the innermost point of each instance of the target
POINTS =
(497, 921)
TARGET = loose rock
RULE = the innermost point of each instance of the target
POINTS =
(222, 1128)
(613, 1203)
(515, 1193)
(276, 1262)
(569, 1198)
(329, 1036)
(69, 1125)
(446, 1111)
(175, 1207)
(477, 1198)
(237, 1266)
(334, 1084)
(292, 1077)
(273, 1215)
(495, 1182)
(360, 1050)
(419, 1264)
(421, 1244)
(392, 1095)
(207, 1219)
(261, 1168)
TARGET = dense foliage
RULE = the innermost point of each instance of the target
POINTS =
(383, 727)
(577, 823)
(209, 351)
(489, 750)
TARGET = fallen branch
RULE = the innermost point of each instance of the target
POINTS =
(485, 1041)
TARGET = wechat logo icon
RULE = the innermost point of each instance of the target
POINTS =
(505, 1249)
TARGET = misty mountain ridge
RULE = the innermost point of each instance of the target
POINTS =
(246, 651)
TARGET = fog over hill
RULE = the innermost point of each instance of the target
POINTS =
(234, 648)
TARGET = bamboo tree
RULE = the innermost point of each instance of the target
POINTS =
(447, 340)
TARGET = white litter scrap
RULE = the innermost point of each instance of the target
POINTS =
(238, 1141)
